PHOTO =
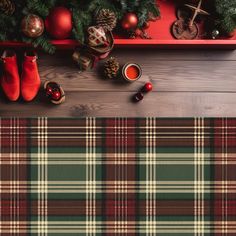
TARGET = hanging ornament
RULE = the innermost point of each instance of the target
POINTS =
(96, 36)
(129, 21)
(32, 26)
(215, 34)
(54, 92)
(7, 7)
(99, 50)
(111, 68)
(59, 23)
(106, 19)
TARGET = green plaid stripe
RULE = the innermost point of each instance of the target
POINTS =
(118, 176)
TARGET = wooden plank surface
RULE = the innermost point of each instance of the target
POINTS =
(186, 83)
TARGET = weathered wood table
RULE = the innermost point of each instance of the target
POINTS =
(186, 83)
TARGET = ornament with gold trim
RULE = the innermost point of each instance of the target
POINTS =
(100, 44)
(96, 36)
(32, 26)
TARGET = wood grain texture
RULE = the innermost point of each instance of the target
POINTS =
(110, 104)
(186, 84)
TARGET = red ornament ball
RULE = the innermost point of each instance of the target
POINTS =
(49, 91)
(59, 23)
(32, 26)
(56, 95)
(129, 21)
(147, 87)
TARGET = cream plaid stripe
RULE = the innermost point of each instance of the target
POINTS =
(14, 144)
(120, 190)
(151, 189)
(90, 176)
(42, 177)
(224, 171)
(199, 177)
(122, 187)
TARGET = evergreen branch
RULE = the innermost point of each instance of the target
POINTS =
(83, 14)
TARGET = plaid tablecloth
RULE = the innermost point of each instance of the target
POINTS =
(118, 176)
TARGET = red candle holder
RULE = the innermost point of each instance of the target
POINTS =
(131, 72)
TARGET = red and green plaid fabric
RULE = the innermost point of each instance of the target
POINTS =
(118, 176)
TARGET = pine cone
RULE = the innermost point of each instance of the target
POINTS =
(106, 19)
(111, 68)
(7, 7)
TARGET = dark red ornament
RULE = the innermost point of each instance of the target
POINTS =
(56, 95)
(59, 23)
(54, 92)
(49, 91)
(138, 97)
(147, 87)
(129, 21)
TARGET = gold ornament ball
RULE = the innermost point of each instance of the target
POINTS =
(32, 26)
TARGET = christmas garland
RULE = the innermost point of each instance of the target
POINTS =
(83, 16)
(86, 13)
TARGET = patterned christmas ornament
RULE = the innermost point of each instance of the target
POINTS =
(32, 26)
(111, 68)
(106, 19)
(104, 50)
(96, 36)
(7, 7)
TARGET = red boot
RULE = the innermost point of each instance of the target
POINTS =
(30, 80)
(10, 80)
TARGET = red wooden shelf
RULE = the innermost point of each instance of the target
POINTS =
(159, 31)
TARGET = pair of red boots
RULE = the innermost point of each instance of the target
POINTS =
(29, 84)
